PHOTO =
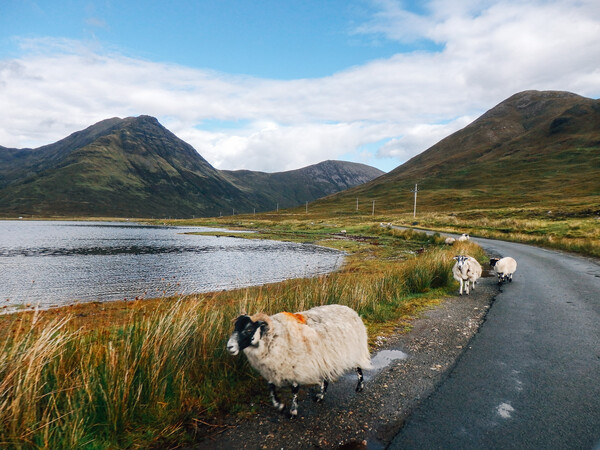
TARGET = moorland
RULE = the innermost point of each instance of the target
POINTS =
(155, 373)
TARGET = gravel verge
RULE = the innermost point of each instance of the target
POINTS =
(370, 419)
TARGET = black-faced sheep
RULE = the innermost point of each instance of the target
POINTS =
(504, 268)
(465, 270)
(463, 237)
(450, 241)
(312, 347)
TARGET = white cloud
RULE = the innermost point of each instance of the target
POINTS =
(420, 137)
(490, 50)
(269, 146)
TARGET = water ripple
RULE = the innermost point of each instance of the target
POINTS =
(50, 263)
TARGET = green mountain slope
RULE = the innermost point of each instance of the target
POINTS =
(535, 148)
(295, 187)
(135, 167)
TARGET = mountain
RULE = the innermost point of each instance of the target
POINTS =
(534, 148)
(295, 187)
(135, 167)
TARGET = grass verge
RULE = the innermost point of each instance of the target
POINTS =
(571, 230)
(156, 373)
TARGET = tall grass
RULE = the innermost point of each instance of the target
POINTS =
(149, 380)
(556, 231)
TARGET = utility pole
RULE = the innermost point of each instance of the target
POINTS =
(277, 207)
(307, 207)
(415, 190)
(357, 203)
(373, 213)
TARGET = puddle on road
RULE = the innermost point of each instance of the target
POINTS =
(379, 361)
(385, 357)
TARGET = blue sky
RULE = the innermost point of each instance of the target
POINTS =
(277, 85)
(269, 38)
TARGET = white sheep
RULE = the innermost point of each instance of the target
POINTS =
(312, 347)
(504, 268)
(449, 241)
(465, 270)
(463, 237)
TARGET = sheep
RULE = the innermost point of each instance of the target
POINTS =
(466, 269)
(463, 237)
(504, 268)
(311, 347)
(449, 241)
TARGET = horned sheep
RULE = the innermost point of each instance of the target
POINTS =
(504, 268)
(311, 347)
(466, 270)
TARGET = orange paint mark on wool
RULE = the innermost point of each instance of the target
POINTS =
(297, 317)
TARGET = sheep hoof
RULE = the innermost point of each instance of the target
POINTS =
(293, 414)
(319, 398)
(360, 386)
(280, 407)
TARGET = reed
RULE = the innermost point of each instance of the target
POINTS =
(152, 378)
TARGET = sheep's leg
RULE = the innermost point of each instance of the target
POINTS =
(361, 380)
(294, 408)
(274, 398)
(510, 278)
(321, 394)
(461, 286)
(467, 287)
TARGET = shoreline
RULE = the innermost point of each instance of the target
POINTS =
(29, 303)
(387, 277)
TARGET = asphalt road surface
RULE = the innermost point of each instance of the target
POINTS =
(531, 377)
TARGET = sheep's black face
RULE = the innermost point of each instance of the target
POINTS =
(493, 261)
(460, 262)
(246, 333)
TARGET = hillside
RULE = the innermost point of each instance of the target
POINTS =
(135, 167)
(295, 187)
(533, 149)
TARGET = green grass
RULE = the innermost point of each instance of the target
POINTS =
(152, 376)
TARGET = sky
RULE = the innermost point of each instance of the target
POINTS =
(275, 85)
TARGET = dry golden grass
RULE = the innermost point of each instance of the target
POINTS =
(147, 373)
(555, 231)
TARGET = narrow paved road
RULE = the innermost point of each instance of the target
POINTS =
(531, 378)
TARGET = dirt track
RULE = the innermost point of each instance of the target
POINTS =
(372, 418)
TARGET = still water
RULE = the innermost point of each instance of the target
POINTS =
(50, 263)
